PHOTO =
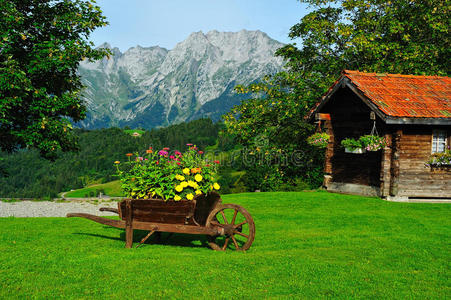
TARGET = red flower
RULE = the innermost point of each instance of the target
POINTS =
(129, 154)
(216, 161)
(201, 152)
(157, 162)
(189, 144)
(178, 163)
(166, 148)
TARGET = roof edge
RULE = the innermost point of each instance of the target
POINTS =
(418, 121)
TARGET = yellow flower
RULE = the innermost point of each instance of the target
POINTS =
(179, 188)
(189, 196)
(177, 198)
(196, 186)
(198, 178)
(117, 162)
(198, 192)
(184, 184)
(186, 171)
(191, 183)
(216, 186)
(180, 177)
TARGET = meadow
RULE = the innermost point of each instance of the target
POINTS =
(308, 245)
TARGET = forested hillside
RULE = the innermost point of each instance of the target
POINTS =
(29, 175)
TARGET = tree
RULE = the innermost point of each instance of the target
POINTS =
(408, 37)
(41, 45)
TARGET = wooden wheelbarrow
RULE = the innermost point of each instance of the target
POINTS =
(225, 225)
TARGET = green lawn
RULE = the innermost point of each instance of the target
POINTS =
(112, 188)
(131, 131)
(308, 245)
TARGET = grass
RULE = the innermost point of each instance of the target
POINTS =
(308, 245)
(112, 189)
(131, 131)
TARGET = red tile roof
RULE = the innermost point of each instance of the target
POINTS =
(405, 95)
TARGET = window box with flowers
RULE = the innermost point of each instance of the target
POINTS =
(440, 161)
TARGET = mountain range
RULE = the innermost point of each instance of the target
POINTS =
(149, 87)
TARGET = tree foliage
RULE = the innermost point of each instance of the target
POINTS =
(31, 176)
(408, 37)
(41, 45)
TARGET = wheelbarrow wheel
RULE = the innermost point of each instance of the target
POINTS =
(237, 225)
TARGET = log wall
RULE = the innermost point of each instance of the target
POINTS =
(415, 178)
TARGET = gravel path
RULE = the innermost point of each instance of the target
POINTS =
(52, 209)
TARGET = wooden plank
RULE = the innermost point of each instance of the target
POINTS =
(177, 228)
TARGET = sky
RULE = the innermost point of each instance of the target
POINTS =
(165, 23)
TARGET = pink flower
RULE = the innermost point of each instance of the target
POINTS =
(163, 153)
(189, 144)
(172, 157)
(178, 153)
(178, 163)
(166, 148)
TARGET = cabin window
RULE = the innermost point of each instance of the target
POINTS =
(438, 141)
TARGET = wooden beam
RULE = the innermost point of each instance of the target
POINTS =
(395, 163)
(101, 220)
(128, 224)
(322, 117)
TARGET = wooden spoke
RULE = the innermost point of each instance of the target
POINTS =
(231, 231)
(217, 224)
(234, 217)
(240, 233)
(236, 244)
(241, 224)
(225, 243)
(223, 215)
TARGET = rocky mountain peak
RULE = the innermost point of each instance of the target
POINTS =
(153, 86)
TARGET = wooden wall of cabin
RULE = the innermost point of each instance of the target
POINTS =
(415, 178)
(350, 117)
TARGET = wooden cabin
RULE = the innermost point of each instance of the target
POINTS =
(413, 113)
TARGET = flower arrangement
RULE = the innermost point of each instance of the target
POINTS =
(373, 142)
(167, 175)
(319, 139)
(351, 144)
(366, 142)
(440, 159)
